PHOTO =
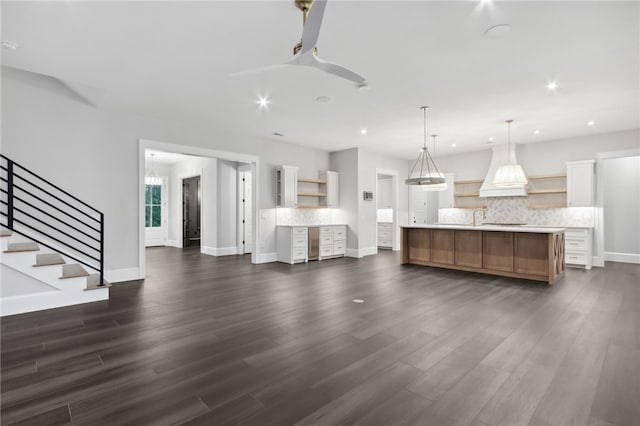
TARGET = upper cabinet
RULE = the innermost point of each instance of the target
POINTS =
(299, 192)
(286, 186)
(580, 183)
(385, 194)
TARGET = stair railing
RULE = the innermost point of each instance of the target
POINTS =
(47, 214)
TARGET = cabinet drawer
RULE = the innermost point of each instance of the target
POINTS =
(299, 232)
(326, 231)
(576, 233)
(326, 251)
(299, 242)
(384, 242)
(384, 227)
(326, 239)
(575, 244)
(339, 233)
(339, 248)
(575, 258)
(384, 234)
(299, 253)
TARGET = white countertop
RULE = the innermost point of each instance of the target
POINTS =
(503, 228)
(312, 226)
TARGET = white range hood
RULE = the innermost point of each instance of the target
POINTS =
(488, 189)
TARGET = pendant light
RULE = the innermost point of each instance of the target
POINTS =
(509, 174)
(151, 177)
(428, 175)
(438, 186)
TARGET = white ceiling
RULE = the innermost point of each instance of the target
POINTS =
(173, 60)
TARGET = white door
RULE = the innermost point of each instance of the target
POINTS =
(156, 214)
(245, 213)
(419, 206)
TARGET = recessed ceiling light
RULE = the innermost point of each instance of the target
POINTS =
(497, 31)
(277, 134)
(263, 102)
(9, 45)
(536, 132)
(491, 139)
(363, 87)
(591, 123)
(453, 145)
(363, 131)
(323, 99)
(551, 86)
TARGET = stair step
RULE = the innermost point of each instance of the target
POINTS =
(93, 280)
(49, 259)
(17, 247)
(73, 271)
(5, 233)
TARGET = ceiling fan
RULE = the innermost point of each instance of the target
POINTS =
(305, 52)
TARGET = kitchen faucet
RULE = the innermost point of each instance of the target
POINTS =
(484, 215)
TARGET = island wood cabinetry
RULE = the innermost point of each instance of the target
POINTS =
(534, 253)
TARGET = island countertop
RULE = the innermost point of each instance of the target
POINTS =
(503, 228)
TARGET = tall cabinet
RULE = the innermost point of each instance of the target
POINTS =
(287, 186)
(580, 183)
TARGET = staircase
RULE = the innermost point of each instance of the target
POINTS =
(52, 251)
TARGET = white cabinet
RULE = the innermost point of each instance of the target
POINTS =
(445, 198)
(580, 183)
(331, 187)
(577, 247)
(286, 186)
(385, 194)
(333, 241)
(292, 244)
(385, 235)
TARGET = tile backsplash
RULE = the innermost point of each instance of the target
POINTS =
(305, 217)
(514, 210)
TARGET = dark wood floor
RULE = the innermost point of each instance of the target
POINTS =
(215, 341)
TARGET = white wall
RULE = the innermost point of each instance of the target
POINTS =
(346, 163)
(227, 208)
(542, 157)
(93, 153)
(621, 210)
(358, 170)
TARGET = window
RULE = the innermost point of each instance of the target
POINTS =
(153, 206)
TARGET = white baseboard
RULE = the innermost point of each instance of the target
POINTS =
(622, 257)
(49, 300)
(174, 243)
(223, 251)
(358, 253)
(598, 261)
(120, 275)
(267, 257)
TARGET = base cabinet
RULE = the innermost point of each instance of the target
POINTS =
(531, 255)
(333, 241)
(385, 235)
(578, 246)
(292, 244)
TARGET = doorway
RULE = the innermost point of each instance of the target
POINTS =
(191, 205)
(386, 212)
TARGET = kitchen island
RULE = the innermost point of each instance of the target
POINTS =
(512, 251)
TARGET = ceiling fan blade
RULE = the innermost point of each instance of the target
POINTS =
(311, 29)
(258, 70)
(338, 70)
